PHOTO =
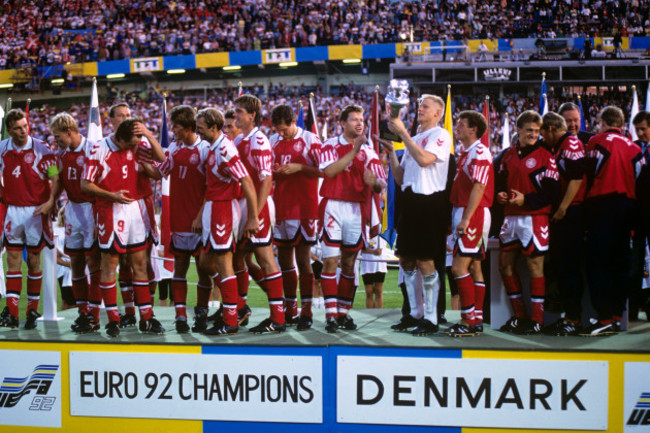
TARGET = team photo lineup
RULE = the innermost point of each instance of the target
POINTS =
(247, 201)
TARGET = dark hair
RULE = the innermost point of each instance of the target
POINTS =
(125, 130)
(183, 115)
(529, 116)
(640, 117)
(553, 121)
(211, 116)
(252, 105)
(343, 116)
(111, 111)
(13, 116)
(282, 114)
(475, 120)
(230, 114)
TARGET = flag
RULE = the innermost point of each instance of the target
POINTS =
(2, 119)
(505, 143)
(647, 98)
(583, 121)
(165, 231)
(311, 123)
(27, 116)
(375, 216)
(449, 126)
(240, 91)
(633, 112)
(486, 113)
(374, 118)
(389, 229)
(5, 133)
(300, 122)
(542, 101)
(325, 131)
(94, 120)
(545, 105)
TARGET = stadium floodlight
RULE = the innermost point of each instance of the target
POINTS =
(6, 86)
(57, 81)
(287, 64)
(351, 61)
(115, 76)
(232, 68)
(176, 71)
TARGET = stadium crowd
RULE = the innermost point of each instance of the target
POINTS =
(56, 32)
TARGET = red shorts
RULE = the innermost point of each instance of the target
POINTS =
(221, 221)
(528, 232)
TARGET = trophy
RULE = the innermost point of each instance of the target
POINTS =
(397, 96)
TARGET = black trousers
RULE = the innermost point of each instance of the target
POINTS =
(609, 222)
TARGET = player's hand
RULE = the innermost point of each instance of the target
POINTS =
(369, 178)
(559, 214)
(45, 208)
(358, 142)
(197, 225)
(121, 197)
(396, 126)
(502, 198)
(252, 227)
(288, 169)
(140, 129)
(386, 144)
(646, 274)
(516, 198)
(461, 229)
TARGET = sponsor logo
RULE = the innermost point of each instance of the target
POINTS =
(497, 74)
(277, 56)
(641, 413)
(13, 389)
(531, 163)
(146, 64)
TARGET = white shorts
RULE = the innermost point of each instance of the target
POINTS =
(528, 232)
(146, 204)
(267, 221)
(290, 233)
(473, 243)
(79, 228)
(342, 228)
(23, 229)
(185, 243)
(121, 228)
(221, 221)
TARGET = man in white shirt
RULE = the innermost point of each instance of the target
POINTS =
(422, 228)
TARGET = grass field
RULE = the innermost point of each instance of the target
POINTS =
(256, 297)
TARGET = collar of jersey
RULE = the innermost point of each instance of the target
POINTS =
(27, 146)
(111, 145)
(218, 142)
(476, 143)
(81, 147)
(253, 131)
(196, 143)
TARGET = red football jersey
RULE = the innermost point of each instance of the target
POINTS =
(143, 183)
(474, 165)
(112, 169)
(348, 185)
(24, 171)
(525, 170)
(185, 167)
(224, 171)
(296, 195)
(256, 154)
(71, 167)
(616, 162)
(570, 157)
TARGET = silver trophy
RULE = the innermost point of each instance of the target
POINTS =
(397, 96)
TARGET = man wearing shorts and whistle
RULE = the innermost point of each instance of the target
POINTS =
(80, 232)
(227, 179)
(27, 166)
(352, 172)
(471, 195)
(296, 155)
(111, 175)
(527, 183)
